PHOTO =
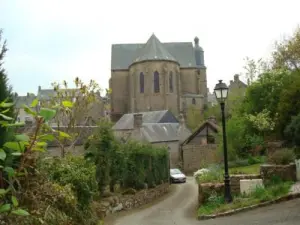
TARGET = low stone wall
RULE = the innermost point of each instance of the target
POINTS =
(126, 202)
(235, 181)
(285, 172)
(207, 189)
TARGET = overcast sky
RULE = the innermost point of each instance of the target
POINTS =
(61, 39)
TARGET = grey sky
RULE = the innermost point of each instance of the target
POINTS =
(61, 39)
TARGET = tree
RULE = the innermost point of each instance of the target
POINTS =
(287, 53)
(5, 90)
(73, 108)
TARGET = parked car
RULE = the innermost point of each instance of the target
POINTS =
(176, 176)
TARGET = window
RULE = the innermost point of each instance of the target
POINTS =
(142, 82)
(156, 82)
(194, 101)
(171, 82)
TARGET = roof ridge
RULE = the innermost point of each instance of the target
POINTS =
(153, 50)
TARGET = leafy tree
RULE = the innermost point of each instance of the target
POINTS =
(194, 117)
(5, 90)
(74, 107)
(287, 54)
(292, 130)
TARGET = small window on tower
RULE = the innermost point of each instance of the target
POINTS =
(194, 101)
(171, 82)
(142, 82)
(156, 82)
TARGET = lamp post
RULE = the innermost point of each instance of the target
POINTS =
(221, 93)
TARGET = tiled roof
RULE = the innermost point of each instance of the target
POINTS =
(24, 100)
(164, 116)
(160, 132)
(122, 55)
(153, 50)
(214, 127)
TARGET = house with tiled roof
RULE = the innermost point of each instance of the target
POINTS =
(156, 76)
(200, 148)
(156, 127)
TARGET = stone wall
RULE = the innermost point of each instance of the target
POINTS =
(285, 172)
(207, 189)
(235, 181)
(198, 156)
(126, 202)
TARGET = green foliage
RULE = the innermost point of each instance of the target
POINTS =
(292, 130)
(282, 157)
(5, 95)
(132, 165)
(74, 171)
(216, 204)
(145, 164)
(211, 175)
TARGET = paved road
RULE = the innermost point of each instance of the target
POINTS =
(179, 209)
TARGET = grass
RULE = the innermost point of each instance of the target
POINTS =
(253, 169)
(216, 204)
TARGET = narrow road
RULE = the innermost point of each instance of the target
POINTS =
(180, 209)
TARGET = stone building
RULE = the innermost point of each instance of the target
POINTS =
(200, 148)
(236, 85)
(160, 128)
(157, 76)
(88, 116)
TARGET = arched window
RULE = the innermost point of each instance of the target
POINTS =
(194, 101)
(142, 82)
(156, 82)
(171, 82)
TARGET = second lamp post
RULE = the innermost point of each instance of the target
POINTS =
(221, 93)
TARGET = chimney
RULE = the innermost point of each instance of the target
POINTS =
(236, 77)
(212, 119)
(137, 120)
(181, 119)
(40, 88)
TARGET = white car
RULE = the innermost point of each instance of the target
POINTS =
(176, 176)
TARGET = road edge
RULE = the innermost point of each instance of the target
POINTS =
(235, 211)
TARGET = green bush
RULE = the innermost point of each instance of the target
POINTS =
(145, 164)
(75, 171)
(282, 157)
(131, 164)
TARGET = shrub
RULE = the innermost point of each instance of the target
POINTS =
(145, 164)
(212, 174)
(282, 157)
(132, 164)
(75, 171)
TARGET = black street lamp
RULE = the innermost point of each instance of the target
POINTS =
(221, 93)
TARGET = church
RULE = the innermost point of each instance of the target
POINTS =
(156, 76)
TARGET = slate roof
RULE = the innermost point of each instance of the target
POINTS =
(122, 55)
(47, 94)
(153, 50)
(21, 100)
(159, 132)
(214, 127)
(126, 121)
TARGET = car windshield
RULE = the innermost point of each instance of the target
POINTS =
(175, 171)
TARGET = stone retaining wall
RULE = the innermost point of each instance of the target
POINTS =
(207, 189)
(235, 181)
(126, 202)
(285, 172)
